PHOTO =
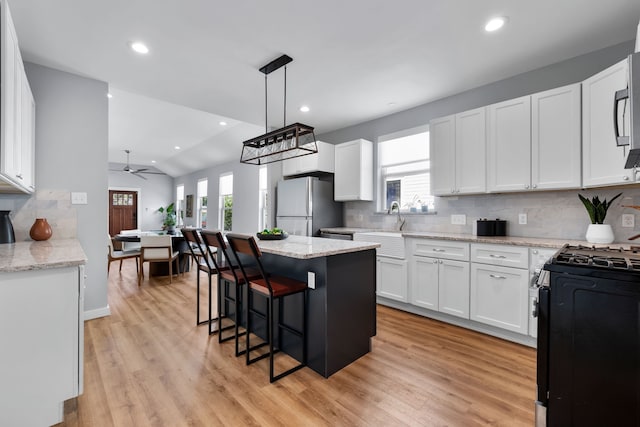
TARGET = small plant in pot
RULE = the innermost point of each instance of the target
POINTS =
(169, 221)
(598, 231)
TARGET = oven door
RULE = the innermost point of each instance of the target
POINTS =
(542, 375)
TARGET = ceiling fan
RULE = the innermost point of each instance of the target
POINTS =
(137, 172)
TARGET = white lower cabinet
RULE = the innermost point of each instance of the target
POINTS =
(441, 284)
(500, 296)
(391, 278)
(42, 330)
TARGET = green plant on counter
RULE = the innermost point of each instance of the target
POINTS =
(596, 208)
(169, 213)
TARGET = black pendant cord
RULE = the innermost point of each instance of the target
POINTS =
(266, 123)
(285, 97)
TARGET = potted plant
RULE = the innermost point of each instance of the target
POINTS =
(169, 220)
(598, 231)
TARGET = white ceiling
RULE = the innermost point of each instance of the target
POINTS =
(353, 60)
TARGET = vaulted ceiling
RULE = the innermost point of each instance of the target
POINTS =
(353, 60)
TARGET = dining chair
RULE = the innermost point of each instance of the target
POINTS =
(130, 246)
(157, 249)
(275, 289)
(206, 264)
(114, 255)
(229, 303)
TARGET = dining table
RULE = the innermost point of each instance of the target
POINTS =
(178, 243)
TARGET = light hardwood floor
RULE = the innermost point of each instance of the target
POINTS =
(149, 365)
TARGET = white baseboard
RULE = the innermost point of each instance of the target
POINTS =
(96, 313)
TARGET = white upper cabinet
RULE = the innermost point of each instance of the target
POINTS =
(458, 153)
(471, 152)
(322, 161)
(353, 178)
(17, 113)
(602, 160)
(442, 134)
(555, 138)
(534, 142)
(509, 145)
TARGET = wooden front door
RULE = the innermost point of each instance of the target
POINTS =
(123, 211)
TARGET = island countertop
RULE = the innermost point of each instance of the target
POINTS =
(302, 247)
(24, 256)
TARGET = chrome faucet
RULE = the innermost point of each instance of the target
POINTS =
(400, 221)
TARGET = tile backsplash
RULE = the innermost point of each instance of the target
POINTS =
(553, 214)
(54, 205)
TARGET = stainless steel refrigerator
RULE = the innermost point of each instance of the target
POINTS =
(305, 205)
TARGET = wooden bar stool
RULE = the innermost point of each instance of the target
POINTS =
(231, 274)
(274, 289)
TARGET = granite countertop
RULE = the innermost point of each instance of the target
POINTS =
(24, 256)
(312, 247)
(501, 240)
(347, 230)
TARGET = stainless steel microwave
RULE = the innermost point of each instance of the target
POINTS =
(630, 98)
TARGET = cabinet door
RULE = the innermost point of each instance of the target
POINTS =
(9, 94)
(391, 278)
(500, 297)
(443, 155)
(353, 178)
(453, 295)
(602, 160)
(555, 138)
(27, 138)
(509, 145)
(424, 282)
(470, 153)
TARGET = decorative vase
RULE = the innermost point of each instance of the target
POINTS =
(40, 230)
(6, 229)
(600, 233)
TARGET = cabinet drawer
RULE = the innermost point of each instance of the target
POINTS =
(508, 256)
(440, 249)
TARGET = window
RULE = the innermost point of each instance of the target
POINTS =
(404, 168)
(180, 205)
(226, 202)
(263, 202)
(201, 217)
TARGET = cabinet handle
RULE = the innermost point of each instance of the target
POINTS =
(535, 251)
(440, 261)
(495, 276)
(534, 186)
(437, 250)
(435, 261)
(625, 178)
(19, 176)
(526, 186)
(497, 256)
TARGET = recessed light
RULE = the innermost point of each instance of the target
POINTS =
(304, 109)
(223, 123)
(391, 104)
(177, 147)
(495, 23)
(139, 47)
(109, 96)
(153, 161)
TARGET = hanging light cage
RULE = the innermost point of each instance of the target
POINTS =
(285, 143)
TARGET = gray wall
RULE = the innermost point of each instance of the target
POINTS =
(557, 214)
(245, 191)
(71, 155)
(155, 191)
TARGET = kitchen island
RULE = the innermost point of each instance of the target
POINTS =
(341, 304)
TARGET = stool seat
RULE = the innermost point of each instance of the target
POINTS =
(280, 286)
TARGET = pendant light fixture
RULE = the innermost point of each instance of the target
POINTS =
(285, 143)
